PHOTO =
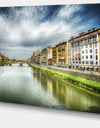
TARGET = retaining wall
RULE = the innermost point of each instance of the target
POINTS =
(90, 75)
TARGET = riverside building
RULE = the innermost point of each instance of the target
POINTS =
(3, 58)
(46, 56)
(38, 57)
(60, 54)
(84, 51)
(33, 57)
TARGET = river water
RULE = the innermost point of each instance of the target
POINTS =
(27, 86)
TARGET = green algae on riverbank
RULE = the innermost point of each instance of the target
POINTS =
(87, 84)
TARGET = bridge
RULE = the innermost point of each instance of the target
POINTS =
(12, 61)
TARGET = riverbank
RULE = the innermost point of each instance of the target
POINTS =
(3, 63)
(84, 83)
(90, 75)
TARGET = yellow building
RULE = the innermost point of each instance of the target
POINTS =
(59, 53)
(50, 61)
(54, 55)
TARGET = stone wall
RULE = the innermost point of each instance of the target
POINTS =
(89, 76)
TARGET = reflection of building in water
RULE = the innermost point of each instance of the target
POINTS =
(81, 100)
(49, 86)
(67, 95)
(40, 75)
(35, 77)
(61, 92)
(55, 88)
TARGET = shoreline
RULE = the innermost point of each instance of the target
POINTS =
(92, 86)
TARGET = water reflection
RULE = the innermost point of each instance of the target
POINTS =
(69, 96)
(17, 85)
(27, 86)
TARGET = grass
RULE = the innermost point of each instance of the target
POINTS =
(88, 83)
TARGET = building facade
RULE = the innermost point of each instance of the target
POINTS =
(3, 58)
(38, 58)
(60, 54)
(84, 50)
(46, 55)
(33, 57)
(54, 55)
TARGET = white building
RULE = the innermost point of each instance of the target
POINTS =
(84, 50)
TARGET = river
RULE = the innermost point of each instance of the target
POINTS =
(24, 85)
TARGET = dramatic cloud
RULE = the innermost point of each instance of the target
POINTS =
(25, 29)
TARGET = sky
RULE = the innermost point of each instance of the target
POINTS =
(24, 30)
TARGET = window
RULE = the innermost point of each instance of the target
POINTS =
(96, 51)
(81, 42)
(87, 62)
(91, 62)
(82, 57)
(82, 62)
(86, 41)
(82, 46)
(86, 57)
(90, 56)
(82, 52)
(78, 43)
(86, 51)
(92, 39)
(90, 50)
(95, 38)
(96, 57)
(89, 40)
(90, 45)
(96, 62)
(96, 45)
(86, 46)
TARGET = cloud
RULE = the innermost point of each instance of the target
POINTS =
(25, 29)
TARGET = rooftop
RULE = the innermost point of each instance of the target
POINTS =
(61, 43)
(84, 33)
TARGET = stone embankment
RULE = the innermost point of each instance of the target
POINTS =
(89, 75)
(76, 80)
